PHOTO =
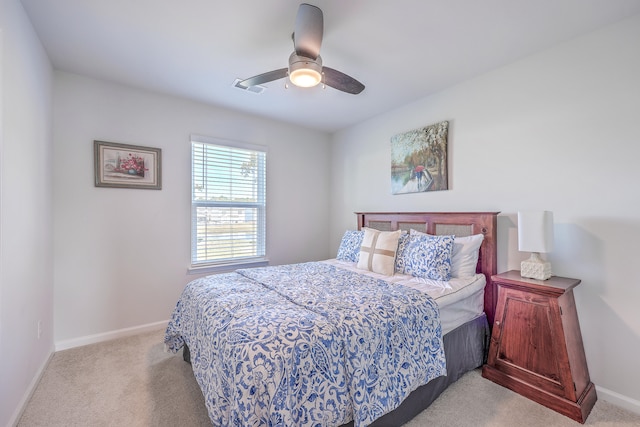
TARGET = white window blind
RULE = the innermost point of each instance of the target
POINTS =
(228, 202)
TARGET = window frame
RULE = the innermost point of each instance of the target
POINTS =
(229, 264)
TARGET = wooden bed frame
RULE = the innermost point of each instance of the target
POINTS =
(457, 223)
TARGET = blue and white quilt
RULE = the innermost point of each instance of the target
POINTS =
(305, 345)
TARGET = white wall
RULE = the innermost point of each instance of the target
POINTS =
(26, 262)
(121, 255)
(558, 131)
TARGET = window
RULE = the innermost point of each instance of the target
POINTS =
(228, 203)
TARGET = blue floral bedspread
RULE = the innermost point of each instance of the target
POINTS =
(305, 345)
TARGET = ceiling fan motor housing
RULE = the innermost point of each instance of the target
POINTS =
(303, 71)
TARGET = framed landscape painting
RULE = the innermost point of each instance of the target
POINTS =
(127, 166)
(419, 160)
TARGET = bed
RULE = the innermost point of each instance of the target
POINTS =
(342, 342)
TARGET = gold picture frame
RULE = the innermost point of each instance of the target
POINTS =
(127, 166)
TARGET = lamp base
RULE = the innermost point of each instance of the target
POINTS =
(535, 268)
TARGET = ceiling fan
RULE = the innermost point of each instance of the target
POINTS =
(305, 64)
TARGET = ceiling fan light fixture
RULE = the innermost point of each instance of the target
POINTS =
(305, 77)
(305, 72)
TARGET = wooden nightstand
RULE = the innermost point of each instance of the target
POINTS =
(536, 346)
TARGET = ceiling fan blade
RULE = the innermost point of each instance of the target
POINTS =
(264, 78)
(341, 81)
(307, 33)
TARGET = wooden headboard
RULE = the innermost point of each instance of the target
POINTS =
(456, 223)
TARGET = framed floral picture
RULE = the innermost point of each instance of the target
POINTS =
(127, 166)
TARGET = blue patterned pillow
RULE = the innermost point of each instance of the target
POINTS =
(400, 259)
(427, 256)
(349, 249)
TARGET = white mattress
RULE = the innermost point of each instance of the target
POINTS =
(459, 300)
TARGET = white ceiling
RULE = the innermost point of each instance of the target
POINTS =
(402, 50)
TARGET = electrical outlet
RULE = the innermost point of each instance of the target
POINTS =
(39, 329)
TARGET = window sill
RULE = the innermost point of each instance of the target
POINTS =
(226, 268)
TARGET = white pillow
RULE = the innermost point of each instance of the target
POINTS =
(464, 258)
(378, 251)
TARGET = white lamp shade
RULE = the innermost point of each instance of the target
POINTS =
(535, 231)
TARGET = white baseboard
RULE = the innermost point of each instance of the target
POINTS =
(30, 390)
(618, 399)
(107, 336)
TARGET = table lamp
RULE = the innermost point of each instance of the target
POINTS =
(535, 235)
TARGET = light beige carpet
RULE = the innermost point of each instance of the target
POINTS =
(133, 382)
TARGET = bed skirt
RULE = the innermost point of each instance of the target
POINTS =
(465, 349)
